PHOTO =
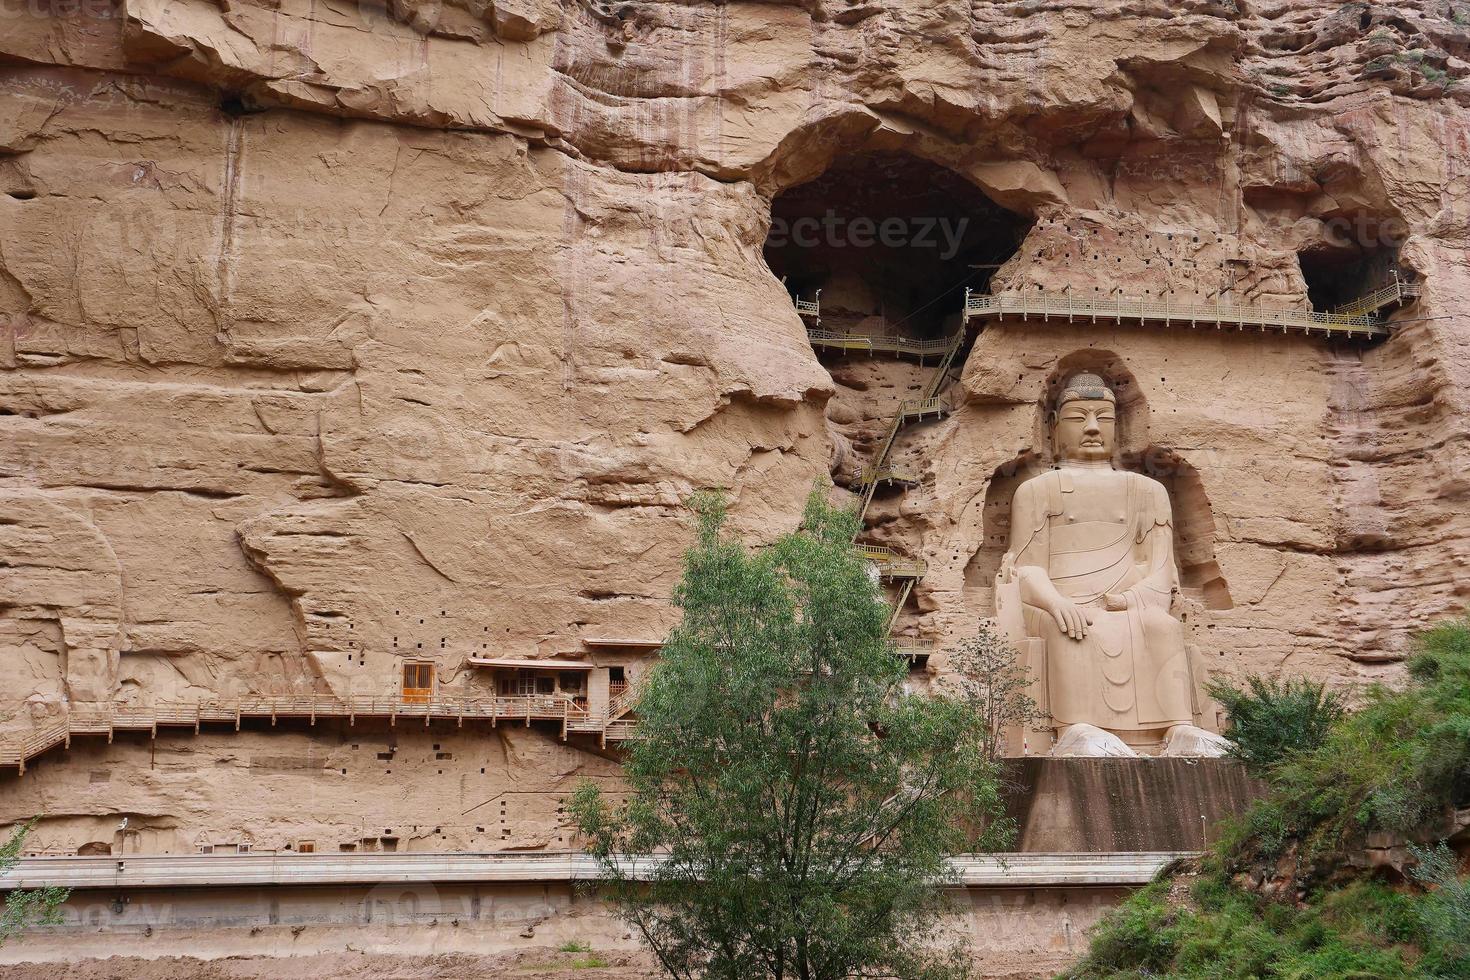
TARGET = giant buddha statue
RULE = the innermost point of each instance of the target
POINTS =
(1087, 591)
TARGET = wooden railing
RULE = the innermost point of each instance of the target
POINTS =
(1359, 319)
(621, 699)
(809, 307)
(903, 597)
(919, 408)
(913, 410)
(573, 716)
(916, 656)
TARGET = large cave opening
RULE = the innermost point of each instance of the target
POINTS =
(1347, 267)
(892, 241)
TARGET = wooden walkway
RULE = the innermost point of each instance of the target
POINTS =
(1363, 318)
(573, 719)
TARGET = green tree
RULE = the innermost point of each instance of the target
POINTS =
(801, 803)
(26, 907)
(994, 685)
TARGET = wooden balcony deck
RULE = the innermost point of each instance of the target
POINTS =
(891, 564)
(192, 715)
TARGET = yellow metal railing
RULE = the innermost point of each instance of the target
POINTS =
(1027, 304)
(871, 344)
(890, 563)
(1393, 294)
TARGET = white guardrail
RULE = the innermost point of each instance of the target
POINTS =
(234, 870)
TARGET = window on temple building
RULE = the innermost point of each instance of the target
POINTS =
(418, 682)
(306, 847)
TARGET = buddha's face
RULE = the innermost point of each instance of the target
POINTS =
(1085, 431)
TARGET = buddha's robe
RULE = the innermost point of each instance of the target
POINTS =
(1095, 531)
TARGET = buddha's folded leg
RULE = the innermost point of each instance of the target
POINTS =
(1166, 688)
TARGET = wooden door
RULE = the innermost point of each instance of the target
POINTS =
(418, 683)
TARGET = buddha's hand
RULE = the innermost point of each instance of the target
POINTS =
(1115, 602)
(1070, 618)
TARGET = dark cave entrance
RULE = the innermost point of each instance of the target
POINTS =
(892, 241)
(1342, 270)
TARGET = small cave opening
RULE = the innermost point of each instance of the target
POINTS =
(1337, 273)
(237, 105)
(892, 241)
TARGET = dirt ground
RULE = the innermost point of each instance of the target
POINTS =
(526, 965)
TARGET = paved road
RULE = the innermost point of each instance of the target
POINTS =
(233, 870)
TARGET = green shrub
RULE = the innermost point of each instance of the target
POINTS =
(1397, 765)
(1271, 720)
(1444, 913)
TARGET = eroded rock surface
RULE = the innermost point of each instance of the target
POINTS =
(335, 332)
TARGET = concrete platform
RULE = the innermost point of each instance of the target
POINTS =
(1125, 805)
(228, 871)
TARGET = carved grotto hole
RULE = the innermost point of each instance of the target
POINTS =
(1200, 575)
(1194, 524)
(996, 519)
(1354, 258)
(892, 241)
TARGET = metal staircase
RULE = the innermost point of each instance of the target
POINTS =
(891, 566)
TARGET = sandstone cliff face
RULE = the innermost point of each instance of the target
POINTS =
(335, 333)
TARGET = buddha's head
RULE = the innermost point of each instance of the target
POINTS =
(1085, 421)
